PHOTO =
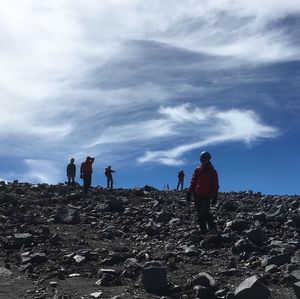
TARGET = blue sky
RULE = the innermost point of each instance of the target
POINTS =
(146, 86)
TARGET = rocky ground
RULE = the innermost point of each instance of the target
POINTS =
(57, 242)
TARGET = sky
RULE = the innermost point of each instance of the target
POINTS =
(146, 86)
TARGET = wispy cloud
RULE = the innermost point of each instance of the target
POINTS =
(41, 171)
(214, 127)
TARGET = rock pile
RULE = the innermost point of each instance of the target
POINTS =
(58, 242)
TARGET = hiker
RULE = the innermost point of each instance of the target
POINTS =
(180, 179)
(204, 187)
(86, 171)
(71, 172)
(108, 173)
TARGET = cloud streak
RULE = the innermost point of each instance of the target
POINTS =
(198, 127)
(214, 127)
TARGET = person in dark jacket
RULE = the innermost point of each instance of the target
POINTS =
(86, 170)
(204, 187)
(71, 172)
(108, 173)
(180, 179)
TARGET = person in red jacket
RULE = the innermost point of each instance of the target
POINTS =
(86, 171)
(204, 187)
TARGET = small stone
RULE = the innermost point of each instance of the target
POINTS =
(74, 275)
(79, 258)
(271, 269)
(96, 294)
(53, 284)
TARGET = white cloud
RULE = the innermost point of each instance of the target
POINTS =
(216, 128)
(40, 171)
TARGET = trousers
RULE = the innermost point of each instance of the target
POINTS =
(205, 218)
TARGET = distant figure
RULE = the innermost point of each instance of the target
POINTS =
(204, 187)
(108, 173)
(71, 172)
(166, 187)
(86, 171)
(180, 179)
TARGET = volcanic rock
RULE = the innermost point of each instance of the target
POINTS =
(155, 277)
(252, 288)
(296, 287)
(67, 215)
(256, 236)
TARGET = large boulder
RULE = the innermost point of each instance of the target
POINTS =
(155, 277)
(67, 215)
(252, 288)
(296, 287)
(256, 236)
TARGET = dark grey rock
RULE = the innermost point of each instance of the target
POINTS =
(277, 260)
(271, 269)
(204, 292)
(275, 214)
(163, 216)
(296, 220)
(242, 245)
(252, 288)
(23, 239)
(38, 258)
(238, 225)
(296, 287)
(67, 215)
(155, 277)
(116, 205)
(202, 279)
(256, 236)
(296, 275)
(260, 216)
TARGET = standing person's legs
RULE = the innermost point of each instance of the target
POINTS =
(200, 208)
(87, 180)
(107, 181)
(112, 183)
(181, 185)
(207, 216)
(178, 185)
(85, 184)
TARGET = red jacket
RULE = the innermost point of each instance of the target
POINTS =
(205, 182)
(86, 167)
